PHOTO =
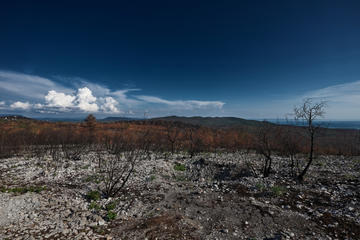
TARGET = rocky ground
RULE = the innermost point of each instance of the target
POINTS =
(210, 196)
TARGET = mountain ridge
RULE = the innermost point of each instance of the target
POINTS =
(217, 122)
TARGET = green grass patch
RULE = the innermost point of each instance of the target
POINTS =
(111, 215)
(356, 161)
(278, 190)
(23, 190)
(94, 205)
(180, 178)
(349, 177)
(99, 229)
(320, 163)
(261, 187)
(179, 167)
(85, 166)
(93, 195)
(111, 206)
(93, 178)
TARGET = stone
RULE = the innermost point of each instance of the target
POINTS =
(101, 222)
(65, 231)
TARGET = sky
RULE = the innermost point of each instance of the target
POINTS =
(250, 59)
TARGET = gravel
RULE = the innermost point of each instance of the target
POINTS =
(217, 196)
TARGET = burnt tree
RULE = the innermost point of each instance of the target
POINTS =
(309, 111)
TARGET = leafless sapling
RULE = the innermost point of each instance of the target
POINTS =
(290, 146)
(117, 165)
(265, 145)
(309, 111)
(194, 141)
(172, 134)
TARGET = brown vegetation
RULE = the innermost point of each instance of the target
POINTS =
(73, 139)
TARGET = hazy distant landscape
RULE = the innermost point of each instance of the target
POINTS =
(219, 121)
(326, 123)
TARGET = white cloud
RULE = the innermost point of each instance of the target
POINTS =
(109, 105)
(38, 106)
(95, 88)
(58, 99)
(188, 104)
(21, 105)
(27, 86)
(343, 100)
(130, 112)
(347, 92)
(122, 97)
(86, 101)
(43, 95)
(200, 104)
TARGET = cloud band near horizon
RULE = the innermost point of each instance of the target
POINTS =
(32, 93)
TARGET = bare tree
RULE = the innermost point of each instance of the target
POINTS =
(309, 111)
(357, 143)
(53, 143)
(90, 124)
(72, 144)
(244, 156)
(117, 169)
(117, 160)
(290, 146)
(194, 141)
(172, 134)
(265, 145)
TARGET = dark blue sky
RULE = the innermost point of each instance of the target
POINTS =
(253, 59)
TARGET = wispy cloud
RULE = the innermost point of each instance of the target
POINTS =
(345, 93)
(343, 100)
(186, 104)
(123, 98)
(29, 86)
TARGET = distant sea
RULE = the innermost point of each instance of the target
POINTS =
(324, 123)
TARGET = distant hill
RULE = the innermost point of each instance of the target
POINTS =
(14, 118)
(117, 119)
(214, 122)
(108, 119)
(70, 120)
(59, 119)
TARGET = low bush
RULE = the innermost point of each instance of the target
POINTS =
(179, 167)
(94, 205)
(111, 206)
(278, 190)
(93, 195)
(260, 187)
(111, 215)
(23, 190)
